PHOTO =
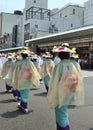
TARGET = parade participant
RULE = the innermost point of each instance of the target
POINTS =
(24, 76)
(39, 63)
(73, 57)
(38, 66)
(16, 92)
(1, 63)
(6, 73)
(66, 88)
(3, 59)
(34, 59)
(47, 69)
(40, 58)
(56, 58)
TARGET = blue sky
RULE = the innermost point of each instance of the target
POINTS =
(10, 5)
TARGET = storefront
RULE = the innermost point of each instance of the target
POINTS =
(81, 38)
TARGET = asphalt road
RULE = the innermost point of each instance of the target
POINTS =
(42, 117)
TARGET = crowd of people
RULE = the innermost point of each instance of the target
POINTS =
(60, 73)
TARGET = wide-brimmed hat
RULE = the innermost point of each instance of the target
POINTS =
(73, 55)
(73, 50)
(9, 57)
(65, 44)
(24, 51)
(63, 49)
(35, 57)
(54, 49)
(47, 55)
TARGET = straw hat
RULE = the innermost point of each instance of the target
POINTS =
(65, 44)
(25, 51)
(76, 56)
(54, 49)
(9, 57)
(34, 57)
(73, 50)
(63, 49)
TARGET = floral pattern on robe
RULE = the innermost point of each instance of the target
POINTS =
(6, 71)
(25, 74)
(47, 70)
(60, 91)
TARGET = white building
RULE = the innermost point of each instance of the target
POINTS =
(88, 12)
(67, 18)
(36, 3)
(0, 24)
(7, 22)
(40, 21)
(36, 19)
(20, 32)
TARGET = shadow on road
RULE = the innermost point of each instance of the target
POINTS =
(44, 94)
(15, 113)
(71, 106)
(12, 114)
(34, 89)
(4, 92)
(91, 129)
(7, 101)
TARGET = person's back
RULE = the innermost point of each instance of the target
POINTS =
(25, 76)
(66, 88)
(57, 60)
(7, 74)
(46, 71)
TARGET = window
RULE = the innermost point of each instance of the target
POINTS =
(71, 25)
(36, 26)
(34, 1)
(60, 15)
(73, 11)
(27, 14)
(27, 27)
(26, 36)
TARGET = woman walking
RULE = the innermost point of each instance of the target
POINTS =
(25, 75)
(66, 88)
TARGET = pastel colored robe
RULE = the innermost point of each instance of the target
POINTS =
(6, 74)
(25, 74)
(46, 70)
(61, 93)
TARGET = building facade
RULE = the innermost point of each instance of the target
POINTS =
(36, 19)
(36, 3)
(7, 23)
(68, 17)
(88, 13)
(40, 21)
